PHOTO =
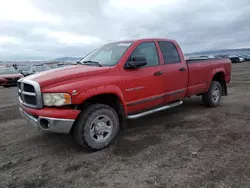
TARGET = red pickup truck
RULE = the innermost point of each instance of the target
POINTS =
(119, 80)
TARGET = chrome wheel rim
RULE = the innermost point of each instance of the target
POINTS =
(101, 128)
(216, 94)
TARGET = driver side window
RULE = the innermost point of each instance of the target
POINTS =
(148, 50)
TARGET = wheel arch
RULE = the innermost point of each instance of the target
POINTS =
(219, 76)
(108, 95)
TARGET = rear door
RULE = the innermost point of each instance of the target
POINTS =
(175, 72)
(143, 87)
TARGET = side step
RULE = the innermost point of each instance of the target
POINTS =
(135, 116)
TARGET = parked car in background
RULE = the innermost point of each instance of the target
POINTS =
(31, 69)
(64, 64)
(39, 68)
(211, 57)
(220, 57)
(234, 59)
(244, 57)
(25, 70)
(52, 66)
(58, 65)
(9, 76)
(247, 57)
(201, 57)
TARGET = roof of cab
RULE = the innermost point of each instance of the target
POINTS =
(143, 39)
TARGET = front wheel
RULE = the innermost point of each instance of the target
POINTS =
(96, 127)
(213, 96)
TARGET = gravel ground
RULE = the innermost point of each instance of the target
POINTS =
(187, 146)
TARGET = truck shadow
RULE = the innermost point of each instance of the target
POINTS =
(193, 104)
(138, 135)
(58, 143)
(146, 132)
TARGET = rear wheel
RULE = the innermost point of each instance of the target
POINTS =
(213, 96)
(96, 127)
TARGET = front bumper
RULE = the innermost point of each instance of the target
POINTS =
(57, 125)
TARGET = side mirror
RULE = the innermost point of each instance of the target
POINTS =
(136, 62)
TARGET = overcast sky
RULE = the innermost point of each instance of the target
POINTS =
(46, 29)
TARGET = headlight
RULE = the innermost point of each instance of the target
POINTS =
(56, 99)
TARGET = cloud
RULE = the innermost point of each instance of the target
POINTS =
(7, 39)
(23, 11)
(45, 29)
(66, 37)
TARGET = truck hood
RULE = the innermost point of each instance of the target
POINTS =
(65, 73)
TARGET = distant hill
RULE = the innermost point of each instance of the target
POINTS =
(67, 59)
(222, 52)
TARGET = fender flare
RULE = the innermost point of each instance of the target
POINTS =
(107, 89)
(213, 73)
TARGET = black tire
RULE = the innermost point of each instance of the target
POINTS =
(84, 124)
(208, 97)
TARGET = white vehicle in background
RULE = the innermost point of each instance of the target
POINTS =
(241, 58)
(246, 56)
(211, 57)
(39, 68)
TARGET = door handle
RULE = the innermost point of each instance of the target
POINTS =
(158, 73)
(182, 69)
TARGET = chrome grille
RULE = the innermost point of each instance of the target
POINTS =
(29, 93)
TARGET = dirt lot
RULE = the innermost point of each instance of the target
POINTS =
(188, 146)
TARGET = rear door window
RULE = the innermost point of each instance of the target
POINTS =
(170, 53)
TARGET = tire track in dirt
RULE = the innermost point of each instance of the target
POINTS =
(9, 112)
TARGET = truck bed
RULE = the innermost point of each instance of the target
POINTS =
(203, 60)
(202, 71)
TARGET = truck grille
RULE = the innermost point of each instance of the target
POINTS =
(29, 93)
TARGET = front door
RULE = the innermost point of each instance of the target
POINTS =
(144, 86)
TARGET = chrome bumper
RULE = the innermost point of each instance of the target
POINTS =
(47, 123)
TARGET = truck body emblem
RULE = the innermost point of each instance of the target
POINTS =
(74, 92)
(135, 88)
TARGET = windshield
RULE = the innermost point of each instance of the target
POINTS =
(8, 71)
(108, 54)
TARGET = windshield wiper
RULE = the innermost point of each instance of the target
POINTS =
(91, 62)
